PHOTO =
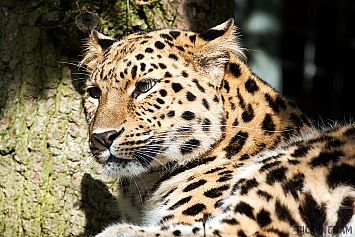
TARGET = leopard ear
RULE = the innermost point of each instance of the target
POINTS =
(218, 31)
(101, 42)
(216, 44)
(96, 46)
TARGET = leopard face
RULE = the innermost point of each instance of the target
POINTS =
(153, 100)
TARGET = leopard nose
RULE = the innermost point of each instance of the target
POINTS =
(107, 138)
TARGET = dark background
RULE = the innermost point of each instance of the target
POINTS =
(314, 44)
(325, 29)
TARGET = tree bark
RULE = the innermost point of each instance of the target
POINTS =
(49, 185)
(199, 15)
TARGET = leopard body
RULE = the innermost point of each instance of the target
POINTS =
(204, 147)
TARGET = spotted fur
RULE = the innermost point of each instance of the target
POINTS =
(203, 147)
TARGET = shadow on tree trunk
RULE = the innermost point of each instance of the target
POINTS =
(98, 204)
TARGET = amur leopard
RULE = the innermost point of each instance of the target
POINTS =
(203, 147)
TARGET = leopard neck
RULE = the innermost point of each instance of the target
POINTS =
(256, 116)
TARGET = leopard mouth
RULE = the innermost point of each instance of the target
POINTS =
(140, 158)
(117, 160)
(121, 167)
(138, 161)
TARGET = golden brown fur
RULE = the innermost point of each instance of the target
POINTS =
(184, 117)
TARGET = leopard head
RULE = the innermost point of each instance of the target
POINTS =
(153, 98)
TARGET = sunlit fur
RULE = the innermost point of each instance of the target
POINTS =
(207, 148)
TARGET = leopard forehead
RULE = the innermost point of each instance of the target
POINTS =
(158, 54)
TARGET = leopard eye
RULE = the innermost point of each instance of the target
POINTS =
(145, 85)
(94, 92)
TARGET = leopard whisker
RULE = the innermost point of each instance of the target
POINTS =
(73, 64)
(141, 155)
(81, 73)
(138, 188)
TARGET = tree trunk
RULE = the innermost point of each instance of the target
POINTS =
(199, 15)
(49, 185)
